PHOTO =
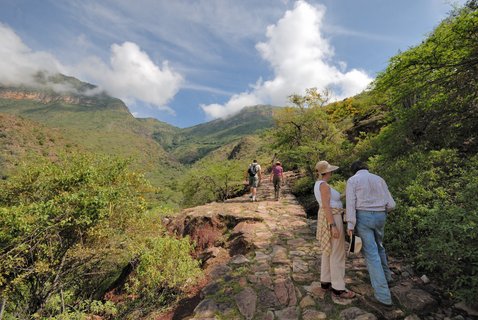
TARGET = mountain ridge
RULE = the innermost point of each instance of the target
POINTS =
(101, 123)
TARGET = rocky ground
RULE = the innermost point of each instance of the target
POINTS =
(262, 263)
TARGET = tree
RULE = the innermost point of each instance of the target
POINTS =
(212, 181)
(304, 133)
(432, 88)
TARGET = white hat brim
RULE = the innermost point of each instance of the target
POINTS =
(357, 245)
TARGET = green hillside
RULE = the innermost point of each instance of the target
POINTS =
(22, 140)
(99, 123)
(192, 144)
(162, 132)
(70, 229)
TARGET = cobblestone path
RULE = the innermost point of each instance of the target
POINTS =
(276, 275)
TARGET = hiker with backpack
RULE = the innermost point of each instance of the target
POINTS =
(255, 175)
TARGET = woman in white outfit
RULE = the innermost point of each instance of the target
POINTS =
(330, 233)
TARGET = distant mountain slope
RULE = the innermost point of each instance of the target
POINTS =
(100, 123)
(22, 139)
(97, 122)
(249, 120)
(193, 143)
(162, 132)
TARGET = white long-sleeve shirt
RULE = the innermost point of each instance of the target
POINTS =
(368, 192)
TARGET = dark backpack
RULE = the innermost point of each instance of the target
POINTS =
(252, 170)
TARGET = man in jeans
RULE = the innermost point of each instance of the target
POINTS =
(368, 201)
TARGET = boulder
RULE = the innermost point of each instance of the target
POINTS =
(246, 302)
(356, 313)
(415, 300)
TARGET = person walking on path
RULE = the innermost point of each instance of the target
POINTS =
(277, 178)
(368, 201)
(255, 176)
(330, 233)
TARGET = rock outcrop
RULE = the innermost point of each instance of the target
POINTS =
(43, 97)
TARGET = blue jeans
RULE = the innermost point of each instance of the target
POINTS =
(370, 227)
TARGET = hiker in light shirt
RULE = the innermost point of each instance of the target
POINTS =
(254, 176)
(368, 201)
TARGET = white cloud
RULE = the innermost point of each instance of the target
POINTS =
(18, 63)
(132, 76)
(234, 105)
(300, 58)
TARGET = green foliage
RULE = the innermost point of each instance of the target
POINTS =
(436, 223)
(213, 181)
(55, 308)
(432, 89)
(305, 134)
(428, 153)
(51, 214)
(303, 185)
(417, 126)
(166, 265)
(72, 225)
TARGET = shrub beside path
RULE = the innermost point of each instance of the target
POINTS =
(262, 262)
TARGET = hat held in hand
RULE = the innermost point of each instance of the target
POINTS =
(355, 244)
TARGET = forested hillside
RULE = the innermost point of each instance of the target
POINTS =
(97, 122)
(22, 140)
(189, 145)
(84, 188)
(101, 124)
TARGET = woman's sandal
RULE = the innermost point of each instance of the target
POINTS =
(326, 285)
(344, 294)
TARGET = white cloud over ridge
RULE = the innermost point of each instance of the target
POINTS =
(131, 74)
(300, 58)
(18, 63)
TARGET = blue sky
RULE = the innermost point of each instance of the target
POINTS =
(189, 61)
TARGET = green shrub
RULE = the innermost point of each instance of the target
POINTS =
(73, 225)
(303, 186)
(212, 181)
(82, 311)
(436, 221)
(165, 266)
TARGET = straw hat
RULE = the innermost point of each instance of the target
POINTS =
(355, 244)
(324, 167)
